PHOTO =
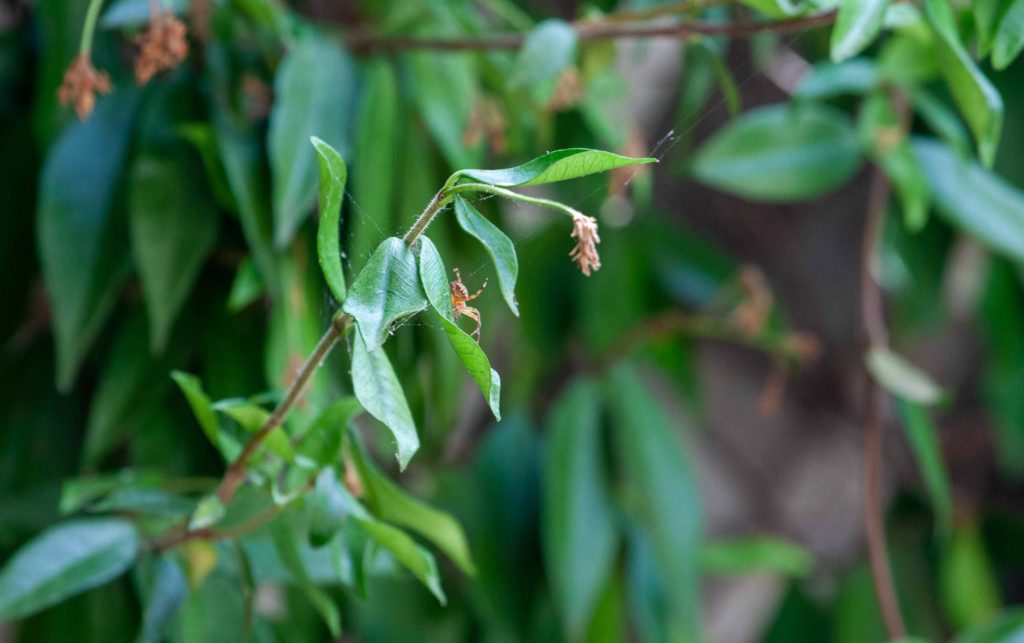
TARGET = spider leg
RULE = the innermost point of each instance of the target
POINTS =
(477, 293)
(473, 314)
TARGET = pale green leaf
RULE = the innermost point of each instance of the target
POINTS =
(322, 443)
(332, 190)
(327, 507)
(924, 442)
(780, 154)
(163, 590)
(63, 561)
(390, 502)
(1009, 40)
(974, 199)
(497, 245)
(313, 88)
(377, 388)
(386, 290)
(173, 227)
(987, 16)
(252, 418)
(547, 50)
(578, 524)
(202, 408)
(978, 100)
(901, 378)
(410, 555)
(135, 13)
(286, 544)
(826, 80)
(857, 25)
(1006, 627)
(560, 165)
(435, 284)
(209, 511)
(967, 580)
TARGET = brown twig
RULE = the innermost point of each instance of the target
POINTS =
(873, 319)
(589, 31)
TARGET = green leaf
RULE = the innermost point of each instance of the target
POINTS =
(774, 8)
(547, 50)
(579, 531)
(243, 157)
(857, 25)
(287, 545)
(942, 120)
(377, 388)
(81, 239)
(1009, 39)
(967, 583)
(404, 549)
(780, 154)
(135, 13)
(246, 288)
(202, 408)
(63, 561)
(903, 379)
(884, 137)
(827, 80)
(924, 442)
(497, 245)
(375, 168)
(386, 290)
(252, 418)
(435, 283)
(173, 228)
(977, 98)
(323, 441)
(1005, 627)
(332, 190)
(754, 555)
(444, 88)
(392, 503)
(662, 490)
(162, 592)
(987, 16)
(313, 88)
(328, 508)
(974, 199)
(560, 165)
(208, 512)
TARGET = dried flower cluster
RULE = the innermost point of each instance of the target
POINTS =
(81, 83)
(486, 119)
(162, 45)
(569, 91)
(752, 313)
(584, 253)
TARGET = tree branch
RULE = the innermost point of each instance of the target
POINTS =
(873, 319)
(590, 31)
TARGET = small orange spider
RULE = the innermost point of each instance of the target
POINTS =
(459, 298)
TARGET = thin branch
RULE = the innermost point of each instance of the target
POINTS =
(873, 319)
(590, 31)
(236, 472)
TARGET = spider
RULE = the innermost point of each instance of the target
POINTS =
(459, 298)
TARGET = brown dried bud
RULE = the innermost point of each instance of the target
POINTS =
(584, 253)
(752, 313)
(81, 83)
(568, 91)
(162, 46)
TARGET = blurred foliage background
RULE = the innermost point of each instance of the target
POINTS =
(683, 437)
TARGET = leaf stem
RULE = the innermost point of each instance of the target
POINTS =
(515, 196)
(92, 14)
(873, 320)
(439, 201)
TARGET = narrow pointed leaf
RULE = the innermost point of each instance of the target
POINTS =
(393, 504)
(410, 555)
(924, 442)
(386, 290)
(287, 545)
(754, 555)
(435, 283)
(64, 561)
(252, 418)
(857, 25)
(332, 190)
(82, 241)
(377, 388)
(162, 593)
(313, 89)
(978, 100)
(560, 165)
(323, 441)
(497, 245)
(578, 519)
(202, 408)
